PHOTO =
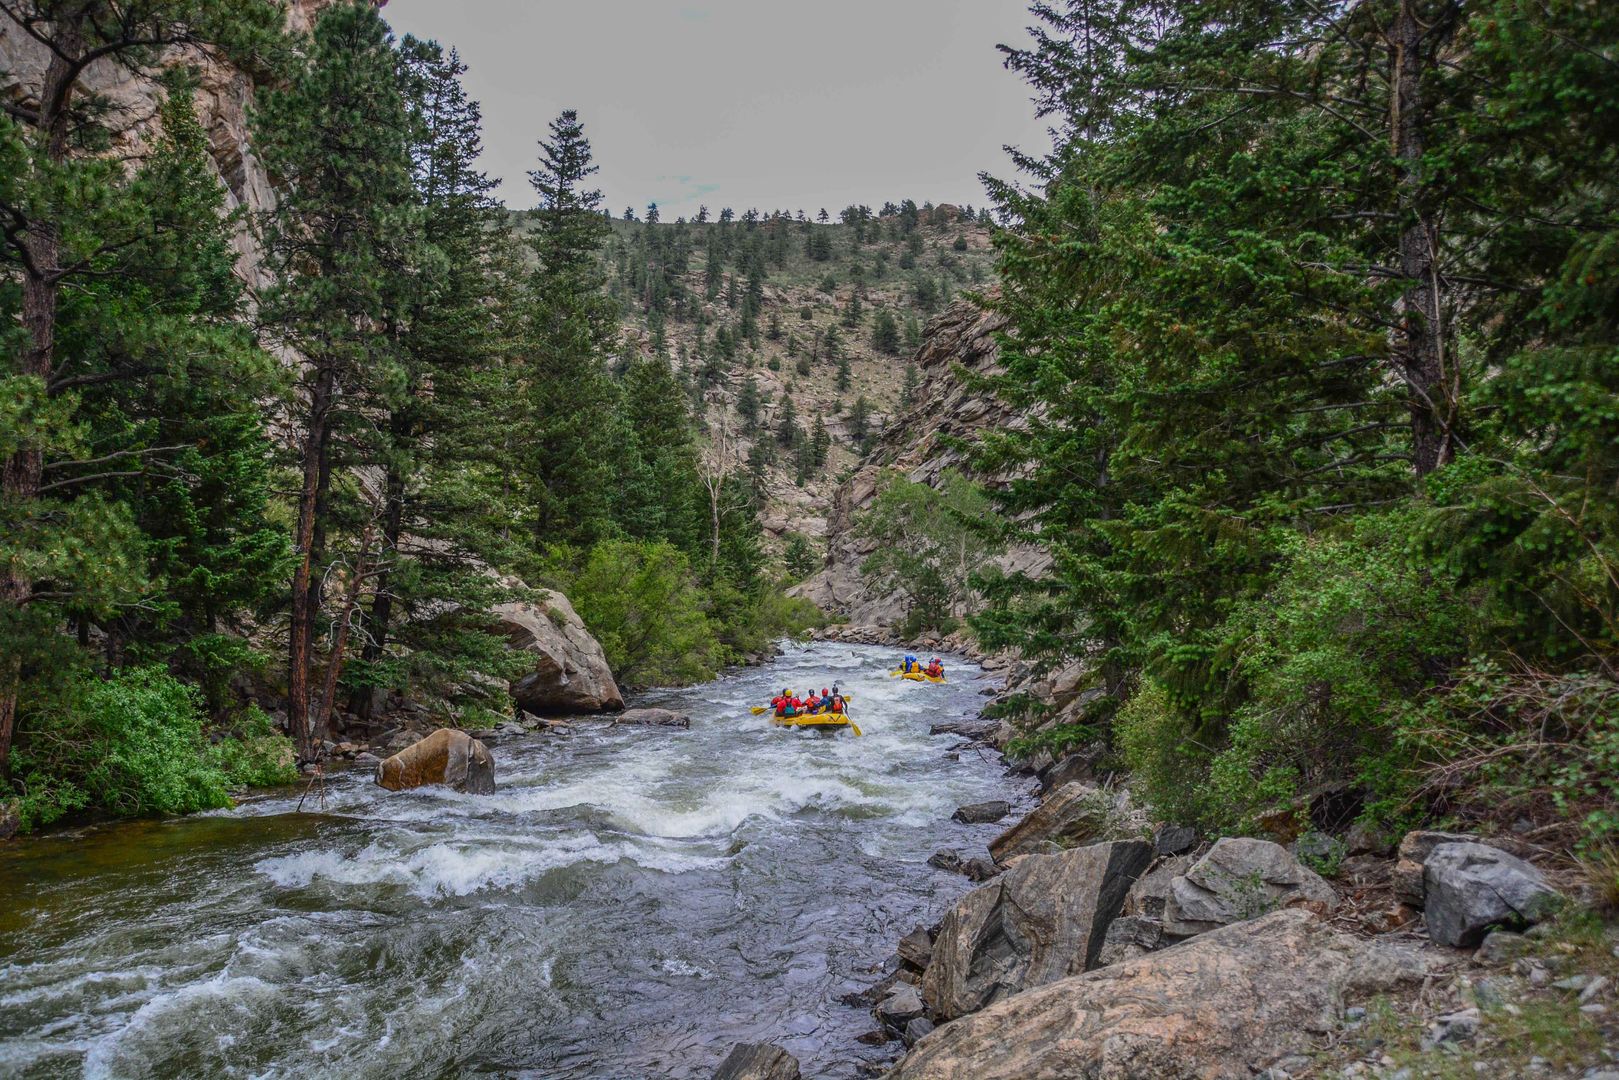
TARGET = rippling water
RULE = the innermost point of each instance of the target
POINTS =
(630, 903)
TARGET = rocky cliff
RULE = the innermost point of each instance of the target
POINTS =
(920, 443)
(224, 100)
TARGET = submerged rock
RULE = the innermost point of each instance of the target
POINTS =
(758, 1061)
(1073, 815)
(1227, 1004)
(570, 669)
(654, 718)
(449, 757)
(982, 813)
(1043, 920)
(1469, 888)
(1241, 878)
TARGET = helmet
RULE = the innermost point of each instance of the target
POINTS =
(824, 691)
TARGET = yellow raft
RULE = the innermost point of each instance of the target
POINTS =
(828, 722)
(915, 676)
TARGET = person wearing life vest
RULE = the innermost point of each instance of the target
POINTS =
(911, 664)
(779, 702)
(795, 706)
(812, 703)
(836, 705)
(935, 668)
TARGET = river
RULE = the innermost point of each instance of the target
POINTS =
(629, 903)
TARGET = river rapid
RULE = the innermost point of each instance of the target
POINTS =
(630, 903)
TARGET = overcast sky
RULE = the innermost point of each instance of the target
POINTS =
(746, 102)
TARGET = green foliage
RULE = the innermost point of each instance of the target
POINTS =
(253, 753)
(643, 603)
(799, 557)
(129, 745)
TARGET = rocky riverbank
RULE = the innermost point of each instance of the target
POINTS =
(1101, 944)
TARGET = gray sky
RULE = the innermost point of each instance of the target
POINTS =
(746, 102)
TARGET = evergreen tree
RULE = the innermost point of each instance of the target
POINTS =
(908, 389)
(820, 442)
(787, 433)
(860, 422)
(747, 406)
(885, 332)
(845, 376)
(338, 243)
(569, 439)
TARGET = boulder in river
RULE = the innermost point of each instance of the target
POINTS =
(654, 718)
(1073, 815)
(1470, 888)
(1241, 878)
(982, 813)
(1224, 1005)
(448, 757)
(1043, 920)
(758, 1061)
(570, 672)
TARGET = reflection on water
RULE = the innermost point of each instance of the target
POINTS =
(630, 903)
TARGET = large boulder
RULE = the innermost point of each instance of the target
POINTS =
(758, 1061)
(1223, 1005)
(1469, 888)
(1043, 920)
(570, 670)
(449, 757)
(1071, 816)
(1241, 878)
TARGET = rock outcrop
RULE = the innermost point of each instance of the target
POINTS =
(449, 757)
(758, 1061)
(224, 99)
(1073, 815)
(916, 443)
(1470, 888)
(1043, 920)
(570, 669)
(1223, 1005)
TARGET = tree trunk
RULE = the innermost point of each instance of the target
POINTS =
(305, 588)
(21, 472)
(363, 702)
(334, 663)
(1421, 352)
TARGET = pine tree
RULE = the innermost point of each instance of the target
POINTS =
(568, 440)
(860, 422)
(336, 243)
(787, 433)
(885, 332)
(845, 376)
(908, 389)
(820, 442)
(747, 406)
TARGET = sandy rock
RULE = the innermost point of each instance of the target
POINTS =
(1240, 878)
(654, 718)
(570, 670)
(1043, 920)
(448, 757)
(1072, 815)
(758, 1061)
(1469, 888)
(1222, 1006)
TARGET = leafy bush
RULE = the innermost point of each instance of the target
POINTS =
(643, 603)
(256, 754)
(1329, 660)
(131, 745)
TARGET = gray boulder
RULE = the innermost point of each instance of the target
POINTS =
(1414, 850)
(982, 813)
(1043, 920)
(1238, 879)
(902, 1005)
(653, 718)
(570, 672)
(1224, 1005)
(758, 1061)
(1071, 816)
(1470, 888)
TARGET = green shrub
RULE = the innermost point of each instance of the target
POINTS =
(131, 744)
(255, 754)
(643, 603)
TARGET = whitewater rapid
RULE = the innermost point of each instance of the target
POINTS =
(629, 903)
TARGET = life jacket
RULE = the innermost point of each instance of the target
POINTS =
(795, 706)
(935, 670)
(836, 706)
(911, 664)
(779, 703)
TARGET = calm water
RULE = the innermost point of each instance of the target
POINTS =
(629, 904)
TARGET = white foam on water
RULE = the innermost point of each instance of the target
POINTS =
(244, 994)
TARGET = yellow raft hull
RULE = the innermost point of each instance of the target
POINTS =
(819, 721)
(917, 676)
